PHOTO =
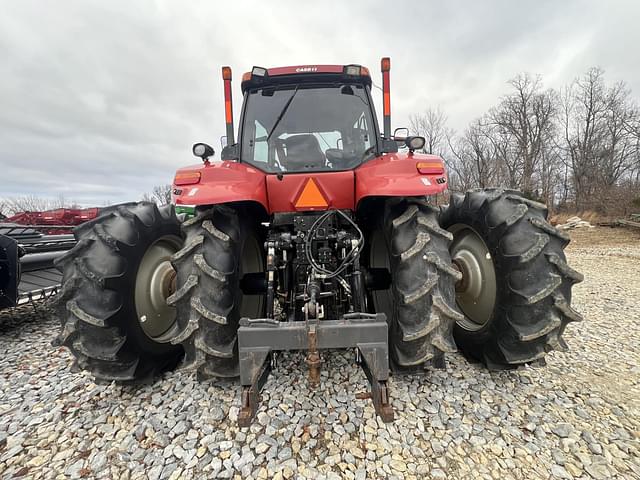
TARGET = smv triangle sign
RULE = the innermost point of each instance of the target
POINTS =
(311, 196)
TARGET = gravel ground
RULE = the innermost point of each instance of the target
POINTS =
(578, 417)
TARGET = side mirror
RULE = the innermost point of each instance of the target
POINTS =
(414, 143)
(230, 152)
(399, 134)
(203, 151)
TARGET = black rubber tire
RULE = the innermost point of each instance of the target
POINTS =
(422, 312)
(96, 305)
(208, 296)
(533, 280)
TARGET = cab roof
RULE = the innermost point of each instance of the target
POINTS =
(259, 76)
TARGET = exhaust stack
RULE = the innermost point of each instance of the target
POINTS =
(385, 66)
(228, 104)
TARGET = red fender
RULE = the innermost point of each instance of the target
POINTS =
(390, 175)
(220, 182)
(397, 175)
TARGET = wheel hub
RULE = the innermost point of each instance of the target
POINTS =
(155, 281)
(476, 291)
(471, 282)
(162, 284)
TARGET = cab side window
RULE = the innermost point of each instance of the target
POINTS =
(260, 146)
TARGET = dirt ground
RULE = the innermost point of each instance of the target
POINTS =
(602, 236)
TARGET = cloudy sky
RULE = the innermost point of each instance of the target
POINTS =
(99, 101)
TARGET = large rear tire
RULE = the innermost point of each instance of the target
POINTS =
(112, 305)
(420, 303)
(220, 246)
(516, 288)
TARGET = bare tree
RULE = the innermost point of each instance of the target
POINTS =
(32, 203)
(432, 125)
(160, 194)
(552, 178)
(525, 119)
(620, 150)
(474, 158)
(505, 147)
(578, 147)
(600, 137)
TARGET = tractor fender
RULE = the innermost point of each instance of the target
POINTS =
(397, 175)
(220, 182)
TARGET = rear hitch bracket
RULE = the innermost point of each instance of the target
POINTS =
(259, 339)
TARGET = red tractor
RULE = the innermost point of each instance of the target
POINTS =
(316, 230)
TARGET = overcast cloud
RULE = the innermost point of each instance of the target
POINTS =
(102, 100)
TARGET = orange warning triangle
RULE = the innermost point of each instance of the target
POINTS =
(311, 196)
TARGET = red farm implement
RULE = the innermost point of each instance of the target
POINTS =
(30, 242)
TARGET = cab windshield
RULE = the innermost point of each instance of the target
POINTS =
(299, 128)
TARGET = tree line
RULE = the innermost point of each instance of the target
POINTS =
(160, 194)
(574, 148)
(32, 203)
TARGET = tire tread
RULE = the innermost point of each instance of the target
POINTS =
(92, 306)
(423, 285)
(529, 319)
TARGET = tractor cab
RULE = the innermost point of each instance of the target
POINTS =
(308, 122)
(308, 131)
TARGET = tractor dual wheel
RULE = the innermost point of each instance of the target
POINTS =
(221, 245)
(515, 291)
(420, 302)
(112, 304)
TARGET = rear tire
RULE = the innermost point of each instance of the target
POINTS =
(505, 238)
(419, 304)
(220, 245)
(100, 318)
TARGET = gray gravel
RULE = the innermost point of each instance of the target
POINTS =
(578, 417)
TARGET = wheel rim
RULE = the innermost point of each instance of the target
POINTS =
(251, 306)
(476, 292)
(155, 281)
(379, 258)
